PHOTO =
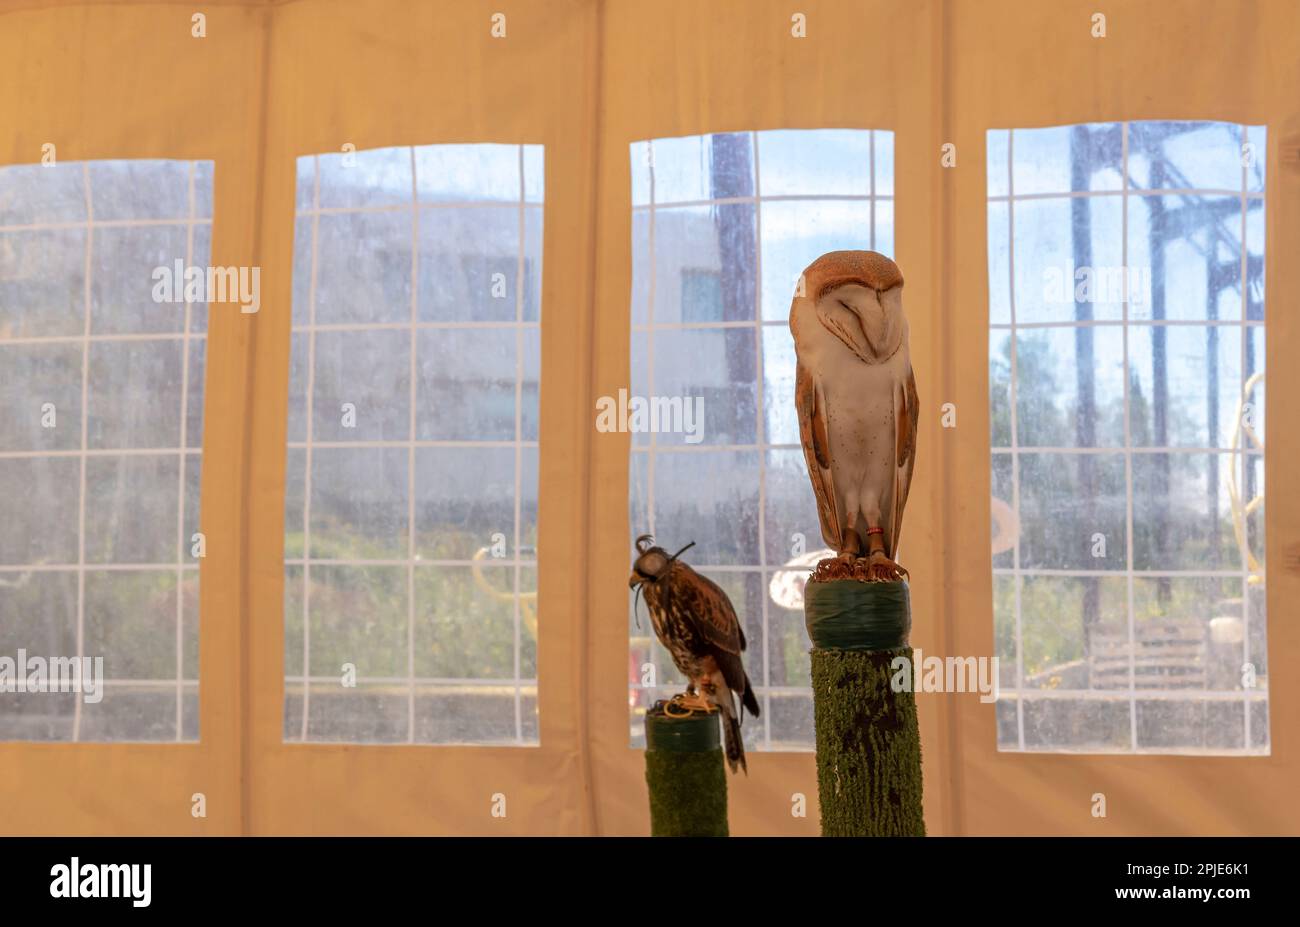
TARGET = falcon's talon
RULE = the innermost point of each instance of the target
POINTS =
(689, 702)
(671, 704)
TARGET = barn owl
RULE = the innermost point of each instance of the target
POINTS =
(856, 400)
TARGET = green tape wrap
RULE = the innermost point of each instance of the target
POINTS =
(685, 775)
(868, 739)
(847, 614)
(696, 734)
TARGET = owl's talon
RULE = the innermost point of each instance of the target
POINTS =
(880, 569)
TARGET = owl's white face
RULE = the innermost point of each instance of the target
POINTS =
(871, 324)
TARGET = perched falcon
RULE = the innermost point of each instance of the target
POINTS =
(856, 400)
(695, 622)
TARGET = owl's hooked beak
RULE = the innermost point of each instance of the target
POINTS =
(635, 580)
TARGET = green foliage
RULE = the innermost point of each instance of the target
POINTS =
(868, 746)
(1052, 608)
(1180, 509)
(360, 614)
(130, 619)
(1180, 516)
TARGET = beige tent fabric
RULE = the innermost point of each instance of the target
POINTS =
(1037, 64)
(129, 82)
(273, 81)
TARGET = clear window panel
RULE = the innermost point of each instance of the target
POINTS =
(722, 227)
(1126, 392)
(411, 485)
(101, 376)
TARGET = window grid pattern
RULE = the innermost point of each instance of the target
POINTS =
(521, 687)
(1249, 197)
(121, 181)
(795, 732)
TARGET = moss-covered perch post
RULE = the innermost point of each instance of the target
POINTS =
(685, 774)
(868, 742)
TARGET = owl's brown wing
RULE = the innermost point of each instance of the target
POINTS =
(906, 416)
(816, 451)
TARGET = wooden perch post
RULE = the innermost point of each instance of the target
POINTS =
(685, 774)
(868, 741)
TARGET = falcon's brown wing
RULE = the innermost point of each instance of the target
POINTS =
(816, 450)
(715, 622)
(906, 415)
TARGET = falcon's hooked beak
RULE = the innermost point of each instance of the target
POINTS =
(635, 583)
(638, 579)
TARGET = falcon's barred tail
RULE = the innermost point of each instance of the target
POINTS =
(735, 747)
(748, 699)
